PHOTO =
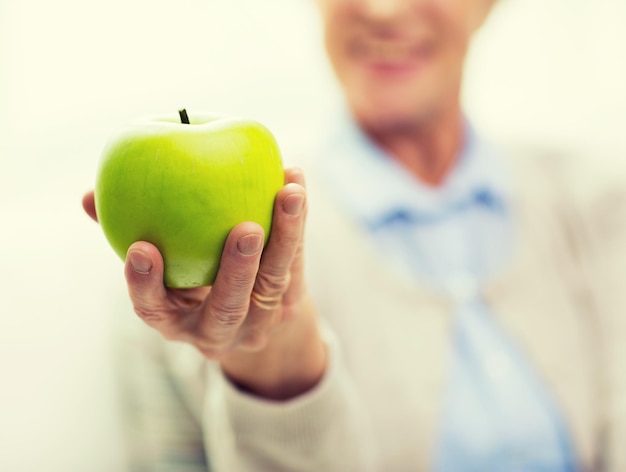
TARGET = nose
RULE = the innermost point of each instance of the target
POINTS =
(386, 9)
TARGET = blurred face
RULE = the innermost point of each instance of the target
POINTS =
(400, 61)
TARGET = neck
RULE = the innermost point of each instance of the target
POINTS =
(427, 149)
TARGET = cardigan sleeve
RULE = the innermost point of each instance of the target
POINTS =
(322, 429)
(182, 414)
(599, 195)
(608, 279)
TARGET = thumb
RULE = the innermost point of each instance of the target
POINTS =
(144, 276)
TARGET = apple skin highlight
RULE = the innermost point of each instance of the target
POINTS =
(183, 187)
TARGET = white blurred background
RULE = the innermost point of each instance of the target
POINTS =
(73, 72)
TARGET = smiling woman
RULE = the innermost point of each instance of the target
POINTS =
(444, 267)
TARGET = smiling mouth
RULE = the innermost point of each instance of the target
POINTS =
(391, 55)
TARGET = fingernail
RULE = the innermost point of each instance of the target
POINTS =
(249, 244)
(141, 262)
(293, 204)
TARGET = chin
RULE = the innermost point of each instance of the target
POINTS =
(411, 101)
(383, 116)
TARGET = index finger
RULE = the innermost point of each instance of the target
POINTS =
(229, 299)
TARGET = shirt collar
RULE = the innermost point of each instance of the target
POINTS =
(372, 186)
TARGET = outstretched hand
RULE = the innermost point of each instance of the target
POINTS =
(257, 319)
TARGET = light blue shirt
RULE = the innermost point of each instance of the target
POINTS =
(498, 416)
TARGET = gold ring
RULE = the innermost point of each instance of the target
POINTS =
(265, 302)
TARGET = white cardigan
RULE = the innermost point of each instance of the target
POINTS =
(378, 406)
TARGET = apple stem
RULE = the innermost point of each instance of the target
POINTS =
(183, 116)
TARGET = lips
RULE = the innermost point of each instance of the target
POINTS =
(390, 54)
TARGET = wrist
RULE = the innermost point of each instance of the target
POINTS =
(292, 362)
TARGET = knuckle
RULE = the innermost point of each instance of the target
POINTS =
(162, 322)
(150, 315)
(227, 316)
(300, 248)
(272, 284)
(240, 281)
(288, 239)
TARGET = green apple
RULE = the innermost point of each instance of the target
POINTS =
(183, 186)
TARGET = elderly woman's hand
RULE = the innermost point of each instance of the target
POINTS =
(257, 319)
